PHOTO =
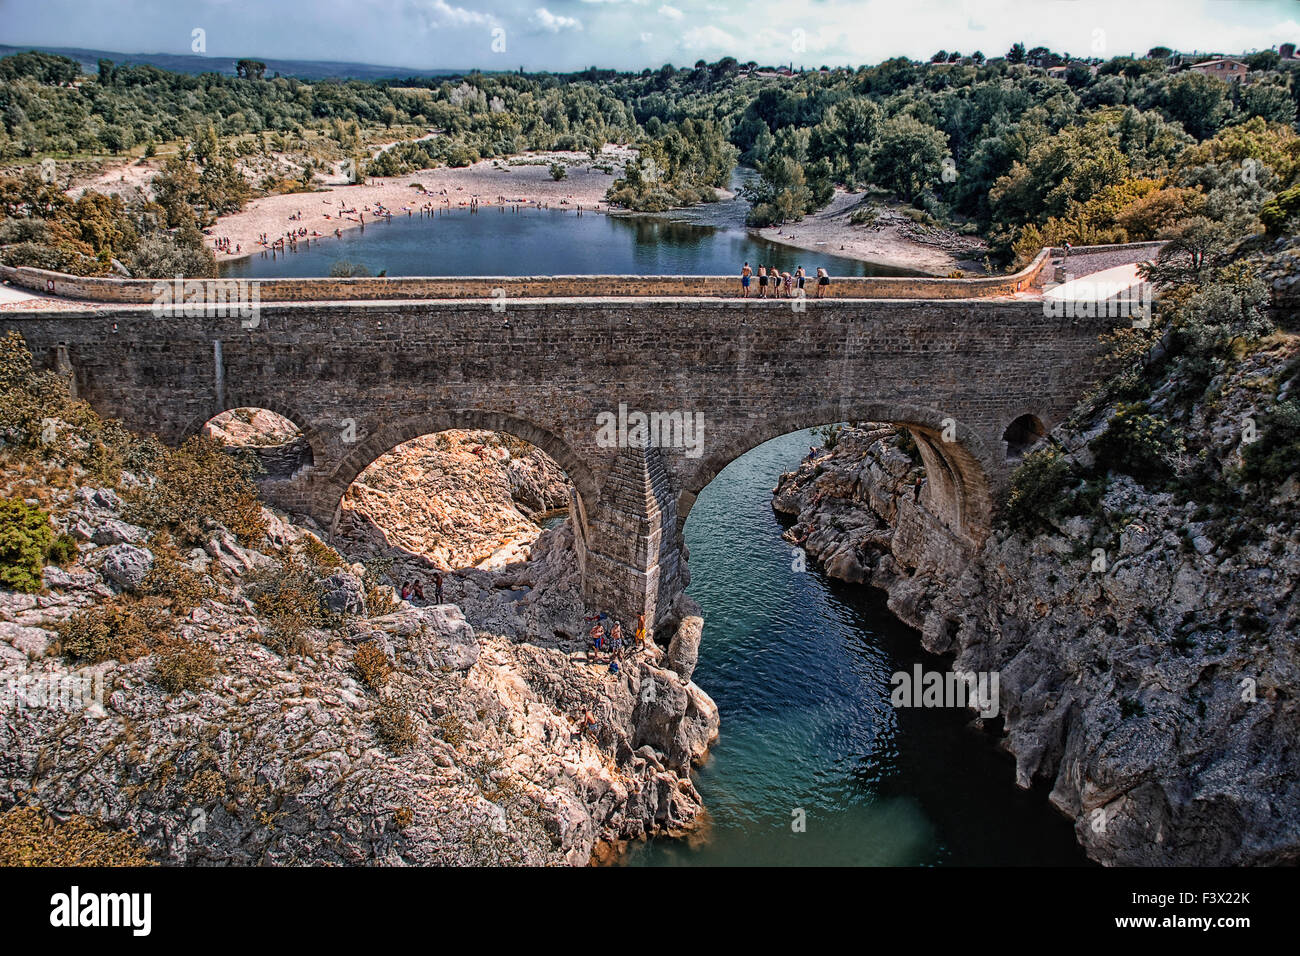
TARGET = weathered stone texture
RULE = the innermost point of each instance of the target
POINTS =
(360, 378)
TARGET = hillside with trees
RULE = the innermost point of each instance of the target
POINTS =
(1100, 151)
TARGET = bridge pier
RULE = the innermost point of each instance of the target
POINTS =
(634, 560)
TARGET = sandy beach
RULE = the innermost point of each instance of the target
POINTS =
(337, 205)
(892, 238)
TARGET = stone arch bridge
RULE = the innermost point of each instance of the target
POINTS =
(362, 376)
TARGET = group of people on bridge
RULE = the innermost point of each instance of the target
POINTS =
(775, 284)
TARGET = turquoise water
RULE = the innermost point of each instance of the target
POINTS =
(799, 666)
(540, 242)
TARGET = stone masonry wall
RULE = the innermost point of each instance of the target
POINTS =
(361, 378)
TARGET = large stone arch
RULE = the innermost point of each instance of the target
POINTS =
(329, 488)
(961, 472)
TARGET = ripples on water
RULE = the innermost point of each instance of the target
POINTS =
(799, 666)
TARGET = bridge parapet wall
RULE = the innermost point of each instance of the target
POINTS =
(145, 291)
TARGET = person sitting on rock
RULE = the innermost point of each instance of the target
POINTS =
(406, 590)
(418, 592)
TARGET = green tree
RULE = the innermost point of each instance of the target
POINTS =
(906, 157)
(1199, 102)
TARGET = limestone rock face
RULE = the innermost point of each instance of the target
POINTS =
(684, 648)
(126, 565)
(1154, 693)
(436, 637)
(343, 593)
(473, 747)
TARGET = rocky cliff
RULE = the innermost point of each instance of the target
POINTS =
(252, 696)
(1143, 613)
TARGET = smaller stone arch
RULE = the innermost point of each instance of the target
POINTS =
(287, 461)
(1022, 434)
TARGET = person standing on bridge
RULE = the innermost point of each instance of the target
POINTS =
(745, 273)
(823, 280)
(762, 282)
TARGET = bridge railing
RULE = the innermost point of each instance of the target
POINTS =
(146, 291)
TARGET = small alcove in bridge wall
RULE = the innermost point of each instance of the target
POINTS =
(1021, 435)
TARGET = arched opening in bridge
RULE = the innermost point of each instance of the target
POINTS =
(1022, 435)
(279, 445)
(800, 665)
(451, 500)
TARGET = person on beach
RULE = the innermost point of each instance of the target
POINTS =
(823, 280)
(745, 273)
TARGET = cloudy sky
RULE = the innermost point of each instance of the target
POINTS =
(632, 34)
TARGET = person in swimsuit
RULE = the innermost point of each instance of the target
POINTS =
(823, 280)
(800, 277)
(745, 273)
(640, 630)
(762, 282)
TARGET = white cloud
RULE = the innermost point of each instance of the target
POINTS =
(671, 13)
(441, 13)
(647, 37)
(554, 23)
(708, 38)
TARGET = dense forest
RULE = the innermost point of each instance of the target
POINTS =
(1125, 149)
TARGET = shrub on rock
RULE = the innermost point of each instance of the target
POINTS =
(25, 540)
(31, 837)
(184, 665)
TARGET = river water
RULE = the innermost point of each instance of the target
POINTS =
(533, 241)
(799, 666)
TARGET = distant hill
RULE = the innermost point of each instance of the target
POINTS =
(192, 63)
